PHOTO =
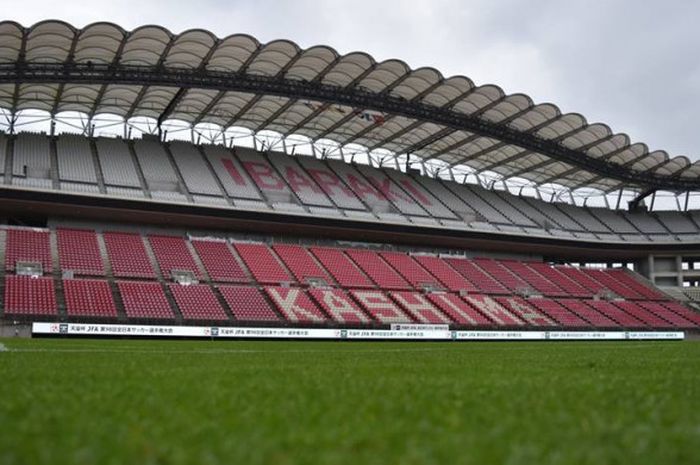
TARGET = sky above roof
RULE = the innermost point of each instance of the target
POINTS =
(632, 65)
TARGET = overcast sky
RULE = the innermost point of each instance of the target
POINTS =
(634, 65)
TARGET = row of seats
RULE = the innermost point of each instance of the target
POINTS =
(79, 253)
(35, 296)
(244, 178)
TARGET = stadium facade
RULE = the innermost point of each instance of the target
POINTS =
(370, 194)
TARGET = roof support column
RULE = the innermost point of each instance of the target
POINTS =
(687, 200)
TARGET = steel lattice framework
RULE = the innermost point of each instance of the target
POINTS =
(196, 77)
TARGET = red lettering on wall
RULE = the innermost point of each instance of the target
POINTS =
(263, 176)
(410, 187)
(298, 181)
(233, 171)
(329, 182)
(364, 190)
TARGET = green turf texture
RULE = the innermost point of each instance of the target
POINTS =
(232, 402)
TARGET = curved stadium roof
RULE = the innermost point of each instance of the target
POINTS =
(197, 77)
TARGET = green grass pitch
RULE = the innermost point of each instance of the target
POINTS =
(260, 402)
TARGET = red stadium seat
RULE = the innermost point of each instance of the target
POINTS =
(128, 256)
(410, 269)
(145, 299)
(300, 262)
(484, 282)
(28, 245)
(248, 304)
(533, 278)
(588, 313)
(89, 297)
(219, 262)
(613, 312)
(559, 313)
(377, 269)
(172, 254)
(265, 267)
(78, 252)
(197, 302)
(25, 295)
(345, 272)
(451, 279)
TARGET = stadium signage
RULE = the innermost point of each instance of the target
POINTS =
(406, 332)
(415, 327)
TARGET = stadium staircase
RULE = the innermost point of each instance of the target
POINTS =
(139, 171)
(99, 175)
(109, 273)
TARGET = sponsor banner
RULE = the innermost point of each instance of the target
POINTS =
(656, 335)
(416, 327)
(417, 333)
(397, 335)
(586, 335)
(277, 333)
(499, 335)
(76, 329)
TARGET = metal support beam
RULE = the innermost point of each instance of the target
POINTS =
(57, 73)
(168, 110)
(634, 203)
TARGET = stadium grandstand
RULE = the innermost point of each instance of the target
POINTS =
(153, 178)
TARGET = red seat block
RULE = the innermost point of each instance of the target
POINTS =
(145, 299)
(220, 264)
(558, 313)
(262, 263)
(197, 302)
(377, 269)
(588, 313)
(78, 251)
(25, 295)
(611, 311)
(643, 314)
(248, 304)
(127, 254)
(28, 245)
(89, 297)
(300, 263)
(410, 269)
(344, 271)
(483, 281)
(451, 279)
(172, 254)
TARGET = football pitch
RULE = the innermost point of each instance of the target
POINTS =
(262, 402)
